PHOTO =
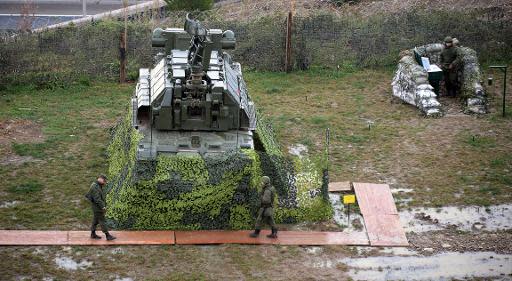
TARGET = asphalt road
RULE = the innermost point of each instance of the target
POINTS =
(60, 7)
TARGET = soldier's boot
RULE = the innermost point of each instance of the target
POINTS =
(109, 236)
(94, 235)
(255, 234)
(273, 235)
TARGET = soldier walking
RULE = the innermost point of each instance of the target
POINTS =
(449, 61)
(96, 195)
(266, 211)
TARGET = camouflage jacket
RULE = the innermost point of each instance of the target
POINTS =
(264, 197)
(449, 56)
(97, 196)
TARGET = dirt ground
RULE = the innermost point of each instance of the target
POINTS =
(460, 162)
(21, 131)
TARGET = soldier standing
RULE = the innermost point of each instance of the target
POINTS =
(96, 195)
(449, 61)
(266, 211)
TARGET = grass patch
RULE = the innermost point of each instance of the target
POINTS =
(477, 141)
(27, 187)
(36, 150)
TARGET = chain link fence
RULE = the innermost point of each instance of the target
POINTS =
(326, 40)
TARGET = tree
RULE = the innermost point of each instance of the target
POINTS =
(189, 5)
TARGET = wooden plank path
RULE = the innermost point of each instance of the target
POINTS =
(53, 237)
(203, 237)
(380, 215)
(375, 201)
(310, 238)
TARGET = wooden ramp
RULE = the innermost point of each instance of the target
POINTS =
(380, 215)
(51, 237)
(315, 238)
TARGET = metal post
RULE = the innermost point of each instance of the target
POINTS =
(348, 215)
(504, 69)
(504, 89)
(84, 8)
(122, 58)
(288, 51)
(327, 141)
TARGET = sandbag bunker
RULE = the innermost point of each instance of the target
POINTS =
(418, 80)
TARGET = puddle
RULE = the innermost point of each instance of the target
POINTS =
(299, 150)
(313, 250)
(398, 251)
(340, 215)
(70, 264)
(445, 266)
(401, 190)
(9, 204)
(491, 218)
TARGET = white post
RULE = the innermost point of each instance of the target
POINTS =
(84, 8)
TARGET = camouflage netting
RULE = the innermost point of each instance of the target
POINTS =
(412, 86)
(211, 192)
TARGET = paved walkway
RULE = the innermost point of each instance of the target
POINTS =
(375, 201)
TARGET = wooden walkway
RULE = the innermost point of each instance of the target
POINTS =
(203, 237)
(309, 238)
(53, 237)
(375, 201)
(380, 215)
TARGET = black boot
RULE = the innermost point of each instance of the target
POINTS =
(109, 237)
(94, 235)
(255, 234)
(273, 235)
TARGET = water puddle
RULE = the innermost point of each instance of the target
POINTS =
(69, 264)
(498, 217)
(401, 190)
(9, 204)
(340, 215)
(445, 266)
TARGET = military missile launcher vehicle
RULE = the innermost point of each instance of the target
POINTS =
(195, 98)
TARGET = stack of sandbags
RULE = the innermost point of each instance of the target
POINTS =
(431, 51)
(470, 85)
(411, 85)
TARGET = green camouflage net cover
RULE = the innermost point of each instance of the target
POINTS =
(208, 192)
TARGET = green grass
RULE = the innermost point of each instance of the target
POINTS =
(75, 125)
(36, 150)
(27, 187)
(435, 157)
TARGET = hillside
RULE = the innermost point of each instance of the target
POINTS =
(251, 9)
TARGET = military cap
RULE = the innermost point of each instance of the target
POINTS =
(265, 179)
(448, 39)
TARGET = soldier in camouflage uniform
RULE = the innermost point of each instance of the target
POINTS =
(96, 195)
(449, 61)
(266, 211)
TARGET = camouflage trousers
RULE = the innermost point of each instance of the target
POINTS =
(265, 215)
(99, 218)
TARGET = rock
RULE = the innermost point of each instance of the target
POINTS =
(446, 245)
(478, 226)
(429, 250)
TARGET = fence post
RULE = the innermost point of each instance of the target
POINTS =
(122, 58)
(288, 50)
